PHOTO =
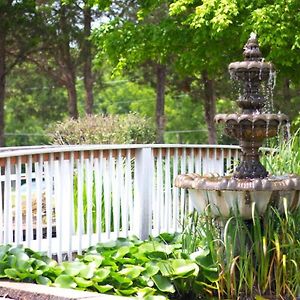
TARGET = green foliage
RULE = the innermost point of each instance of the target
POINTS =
(153, 268)
(32, 102)
(258, 257)
(101, 129)
(236, 259)
(285, 157)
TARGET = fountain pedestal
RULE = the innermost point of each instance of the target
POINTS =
(250, 185)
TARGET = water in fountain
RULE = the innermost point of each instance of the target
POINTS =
(250, 183)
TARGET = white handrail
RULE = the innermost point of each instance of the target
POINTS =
(62, 199)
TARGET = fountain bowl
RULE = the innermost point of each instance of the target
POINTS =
(253, 127)
(250, 70)
(226, 195)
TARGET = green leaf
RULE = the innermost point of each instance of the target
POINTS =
(88, 271)
(151, 269)
(132, 271)
(101, 274)
(81, 282)
(58, 270)
(163, 284)
(121, 281)
(43, 280)
(156, 255)
(12, 273)
(73, 268)
(152, 297)
(204, 259)
(146, 291)
(65, 281)
(3, 251)
(110, 244)
(96, 258)
(184, 268)
(122, 251)
(127, 292)
(3, 266)
(12, 261)
(103, 288)
(22, 261)
(16, 250)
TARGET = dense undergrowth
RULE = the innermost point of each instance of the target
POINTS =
(240, 258)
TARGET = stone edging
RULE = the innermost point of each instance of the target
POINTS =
(30, 291)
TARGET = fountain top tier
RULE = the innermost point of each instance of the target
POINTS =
(252, 126)
(251, 72)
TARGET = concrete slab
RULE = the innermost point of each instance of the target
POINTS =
(29, 291)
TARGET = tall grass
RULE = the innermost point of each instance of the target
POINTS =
(258, 257)
(284, 158)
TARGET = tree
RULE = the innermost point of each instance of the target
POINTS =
(145, 39)
(33, 101)
(18, 20)
(87, 58)
(58, 57)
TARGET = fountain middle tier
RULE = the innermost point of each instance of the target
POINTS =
(251, 130)
(252, 127)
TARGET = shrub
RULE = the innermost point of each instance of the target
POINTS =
(103, 129)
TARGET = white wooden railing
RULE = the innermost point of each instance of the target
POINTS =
(62, 199)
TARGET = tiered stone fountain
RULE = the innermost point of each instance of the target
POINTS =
(250, 183)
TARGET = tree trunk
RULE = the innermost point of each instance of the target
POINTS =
(209, 107)
(161, 74)
(67, 64)
(286, 91)
(87, 56)
(72, 100)
(2, 82)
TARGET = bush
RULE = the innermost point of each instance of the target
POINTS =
(103, 129)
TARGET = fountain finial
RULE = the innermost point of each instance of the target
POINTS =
(251, 49)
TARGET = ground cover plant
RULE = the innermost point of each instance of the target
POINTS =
(238, 260)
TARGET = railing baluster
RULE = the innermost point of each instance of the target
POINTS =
(80, 182)
(191, 165)
(29, 202)
(49, 199)
(107, 195)
(8, 234)
(114, 189)
(71, 227)
(159, 194)
(98, 185)
(117, 194)
(222, 162)
(168, 195)
(89, 170)
(175, 202)
(182, 191)
(59, 174)
(127, 209)
(39, 201)
(1, 208)
(18, 205)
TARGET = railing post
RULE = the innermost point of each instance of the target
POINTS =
(143, 192)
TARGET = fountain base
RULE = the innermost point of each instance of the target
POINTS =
(227, 195)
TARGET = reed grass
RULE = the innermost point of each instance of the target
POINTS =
(284, 156)
(257, 257)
